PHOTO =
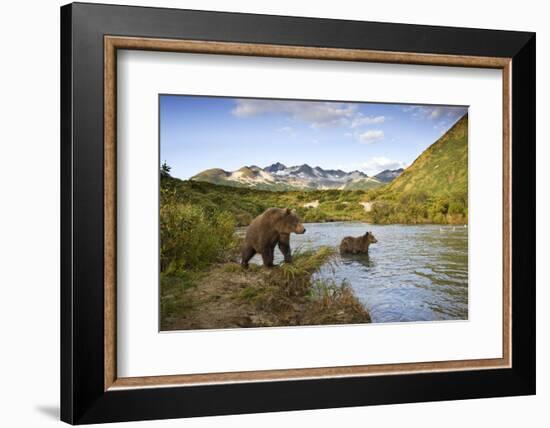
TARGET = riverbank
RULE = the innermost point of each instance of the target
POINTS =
(228, 296)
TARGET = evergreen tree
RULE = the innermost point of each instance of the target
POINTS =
(165, 169)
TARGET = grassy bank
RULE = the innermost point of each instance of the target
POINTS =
(227, 296)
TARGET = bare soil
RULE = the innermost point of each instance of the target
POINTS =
(227, 296)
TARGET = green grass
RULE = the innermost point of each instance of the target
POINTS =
(174, 298)
(333, 302)
(232, 267)
(298, 273)
(442, 169)
(281, 285)
(434, 189)
(289, 286)
(191, 238)
(244, 204)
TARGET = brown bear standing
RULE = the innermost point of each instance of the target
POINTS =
(267, 230)
(360, 245)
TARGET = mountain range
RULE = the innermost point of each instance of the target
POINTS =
(441, 169)
(279, 177)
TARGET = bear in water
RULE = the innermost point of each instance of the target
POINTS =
(272, 227)
(360, 245)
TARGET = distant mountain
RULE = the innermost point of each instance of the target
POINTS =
(279, 177)
(275, 168)
(388, 175)
(442, 169)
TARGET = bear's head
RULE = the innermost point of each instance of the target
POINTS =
(290, 223)
(370, 238)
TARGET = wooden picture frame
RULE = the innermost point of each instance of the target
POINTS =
(91, 390)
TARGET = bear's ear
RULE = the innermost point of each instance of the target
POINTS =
(367, 234)
(287, 211)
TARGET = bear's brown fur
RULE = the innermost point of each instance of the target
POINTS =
(272, 227)
(360, 245)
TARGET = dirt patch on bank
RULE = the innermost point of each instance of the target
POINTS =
(228, 296)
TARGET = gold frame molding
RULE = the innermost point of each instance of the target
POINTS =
(113, 43)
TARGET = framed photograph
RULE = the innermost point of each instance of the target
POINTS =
(320, 213)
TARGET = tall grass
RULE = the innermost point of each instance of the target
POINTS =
(191, 238)
(281, 287)
(295, 278)
(290, 293)
(333, 302)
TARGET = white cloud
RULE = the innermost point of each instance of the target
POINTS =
(378, 164)
(408, 108)
(317, 114)
(285, 129)
(370, 136)
(361, 120)
(435, 112)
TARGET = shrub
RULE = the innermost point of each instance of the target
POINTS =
(456, 207)
(190, 239)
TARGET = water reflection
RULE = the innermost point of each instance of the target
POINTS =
(362, 259)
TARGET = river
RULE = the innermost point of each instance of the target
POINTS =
(413, 273)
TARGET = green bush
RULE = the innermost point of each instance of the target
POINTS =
(419, 208)
(190, 238)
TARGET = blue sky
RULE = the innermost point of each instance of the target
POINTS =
(198, 133)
